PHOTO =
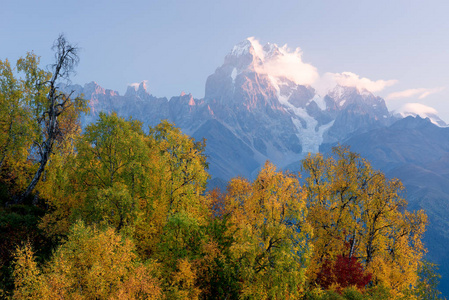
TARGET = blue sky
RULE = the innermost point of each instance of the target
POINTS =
(175, 45)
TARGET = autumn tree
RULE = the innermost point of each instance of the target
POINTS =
(344, 272)
(175, 179)
(17, 131)
(104, 180)
(357, 212)
(51, 109)
(181, 159)
(149, 187)
(172, 223)
(27, 274)
(89, 264)
(35, 116)
(267, 219)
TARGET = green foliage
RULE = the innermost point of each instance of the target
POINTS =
(18, 224)
(177, 180)
(102, 181)
(19, 100)
(112, 170)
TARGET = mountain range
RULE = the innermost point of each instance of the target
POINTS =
(251, 114)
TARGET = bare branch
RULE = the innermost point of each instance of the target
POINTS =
(66, 58)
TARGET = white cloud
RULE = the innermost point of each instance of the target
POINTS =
(329, 80)
(136, 85)
(287, 64)
(421, 93)
(258, 48)
(417, 109)
(354, 80)
(424, 111)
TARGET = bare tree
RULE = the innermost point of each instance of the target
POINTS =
(56, 103)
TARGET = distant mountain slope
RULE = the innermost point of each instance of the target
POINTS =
(226, 152)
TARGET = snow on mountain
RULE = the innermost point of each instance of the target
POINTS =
(241, 48)
(257, 76)
(251, 75)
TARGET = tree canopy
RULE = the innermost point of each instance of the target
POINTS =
(37, 118)
(356, 212)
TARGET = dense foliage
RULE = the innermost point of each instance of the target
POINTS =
(123, 213)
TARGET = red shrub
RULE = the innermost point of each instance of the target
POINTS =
(344, 271)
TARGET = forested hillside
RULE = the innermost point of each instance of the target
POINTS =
(119, 212)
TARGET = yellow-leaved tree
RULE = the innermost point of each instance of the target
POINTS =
(102, 180)
(171, 223)
(359, 214)
(267, 219)
(36, 118)
(148, 187)
(89, 264)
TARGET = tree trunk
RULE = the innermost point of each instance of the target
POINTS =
(36, 177)
(66, 59)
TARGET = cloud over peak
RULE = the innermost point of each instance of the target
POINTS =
(421, 93)
(424, 111)
(284, 62)
(329, 81)
(354, 80)
(277, 61)
(417, 109)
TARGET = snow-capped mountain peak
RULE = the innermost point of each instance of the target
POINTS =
(259, 54)
(242, 48)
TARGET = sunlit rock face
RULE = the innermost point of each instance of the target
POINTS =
(279, 118)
